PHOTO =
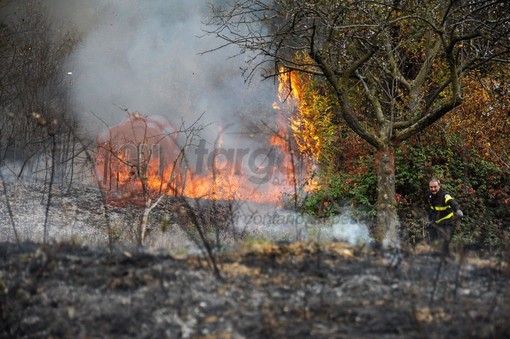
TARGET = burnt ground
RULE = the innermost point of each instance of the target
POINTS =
(77, 286)
(265, 290)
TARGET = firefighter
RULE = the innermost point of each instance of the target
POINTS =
(442, 211)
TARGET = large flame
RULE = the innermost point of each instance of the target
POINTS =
(134, 164)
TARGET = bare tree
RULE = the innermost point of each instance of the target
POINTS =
(34, 94)
(37, 130)
(395, 67)
(140, 162)
(132, 169)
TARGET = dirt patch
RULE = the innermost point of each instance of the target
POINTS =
(273, 290)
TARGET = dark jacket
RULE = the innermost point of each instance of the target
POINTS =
(442, 208)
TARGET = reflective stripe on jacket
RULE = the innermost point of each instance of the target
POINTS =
(442, 207)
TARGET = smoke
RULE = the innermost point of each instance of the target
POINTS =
(146, 56)
(286, 225)
(348, 230)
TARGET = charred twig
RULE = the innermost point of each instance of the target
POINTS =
(195, 220)
(89, 158)
(50, 186)
(462, 256)
(442, 262)
(9, 209)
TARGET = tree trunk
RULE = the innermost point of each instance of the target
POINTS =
(386, 231)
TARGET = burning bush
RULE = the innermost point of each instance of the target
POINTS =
(137, 157)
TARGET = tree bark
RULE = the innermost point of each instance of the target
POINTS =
(386, 230)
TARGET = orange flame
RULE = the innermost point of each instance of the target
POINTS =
(136, 179)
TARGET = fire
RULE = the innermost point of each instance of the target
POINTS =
(136, 157)
(313, 120)
(279, 141)
(304, 132)
(140, 159)
(289, 86)
(225, 187)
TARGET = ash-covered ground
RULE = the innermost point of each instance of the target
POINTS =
(90, 280)
(79, 214)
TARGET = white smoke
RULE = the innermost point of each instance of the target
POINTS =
(348, 230)
(286, 225)
(146, 56)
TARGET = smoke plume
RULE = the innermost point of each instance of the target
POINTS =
(146, 56)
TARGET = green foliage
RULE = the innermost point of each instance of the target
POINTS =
(345, 189)
(480, 187)
(466, 150)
